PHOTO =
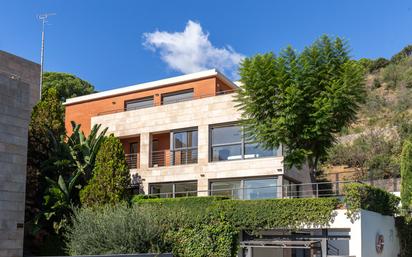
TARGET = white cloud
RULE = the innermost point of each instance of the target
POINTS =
(191, 51)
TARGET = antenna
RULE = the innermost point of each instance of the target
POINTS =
(43, 17)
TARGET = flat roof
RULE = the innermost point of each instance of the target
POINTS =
(151, 85)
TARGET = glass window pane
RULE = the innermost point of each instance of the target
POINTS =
(180, 140)
(260, 189)
(177, 97)
(192, 138)
(223, 153)
(186, 189)
(253, 150)
(225, 135)
(163, 190)
(227, 188)
(139, 103)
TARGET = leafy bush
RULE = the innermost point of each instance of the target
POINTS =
(378, 64)
(119, 229)
(360, 196)
(111, 178)
(406, 175)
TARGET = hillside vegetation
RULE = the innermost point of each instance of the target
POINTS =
(371, 147)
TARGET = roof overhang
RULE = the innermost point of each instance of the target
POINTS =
(152, 85)
(304, 244)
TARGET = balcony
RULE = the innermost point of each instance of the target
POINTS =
(173, 157)
(133, 160)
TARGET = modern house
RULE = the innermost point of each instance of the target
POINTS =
(182, 137)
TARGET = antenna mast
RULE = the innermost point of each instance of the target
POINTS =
(43, 18)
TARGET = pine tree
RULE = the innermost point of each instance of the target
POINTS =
(111, 178)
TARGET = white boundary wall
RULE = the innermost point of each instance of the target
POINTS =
(364, 230)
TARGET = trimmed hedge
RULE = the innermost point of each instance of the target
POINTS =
(361, 196)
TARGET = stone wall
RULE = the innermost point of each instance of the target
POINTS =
(19, 91)
(200, 113)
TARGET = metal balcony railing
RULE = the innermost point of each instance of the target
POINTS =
(303, 190)
(133, 160)
(184, 156)
(160, 158)
(173, 157)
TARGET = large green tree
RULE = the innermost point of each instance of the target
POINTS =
(47, 119)
(67, 85)
(111, 178)
(301, 100)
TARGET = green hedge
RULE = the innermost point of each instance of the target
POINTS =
(361, 196)
(189, 227)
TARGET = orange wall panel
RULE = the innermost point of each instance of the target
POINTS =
(82, 112)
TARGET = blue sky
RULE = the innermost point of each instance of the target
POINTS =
(115, 43)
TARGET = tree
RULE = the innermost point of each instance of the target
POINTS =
(406, 175)
(301, 100)
(111, 178)
(67, 85)
(402, 55)
(47, 119)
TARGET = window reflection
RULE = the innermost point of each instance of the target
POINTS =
(247, 189)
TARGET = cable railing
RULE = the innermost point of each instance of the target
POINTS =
(302, 190)
(132, 160)
(183, 99)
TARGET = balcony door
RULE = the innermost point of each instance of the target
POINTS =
(184, 147)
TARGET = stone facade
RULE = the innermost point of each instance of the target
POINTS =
(200, 113)
(19, 91)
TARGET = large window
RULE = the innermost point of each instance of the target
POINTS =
(246, 189)
(139, 103)
(184, 147)
(177, 96)
(171, 190)
(229, 143)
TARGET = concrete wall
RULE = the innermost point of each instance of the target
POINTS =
(19, 90)
(200, 113)
(364, 230)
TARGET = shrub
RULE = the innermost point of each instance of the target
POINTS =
(119, 229)
(378, 64)
(361, 196)
(406, 175)
(111, 176)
